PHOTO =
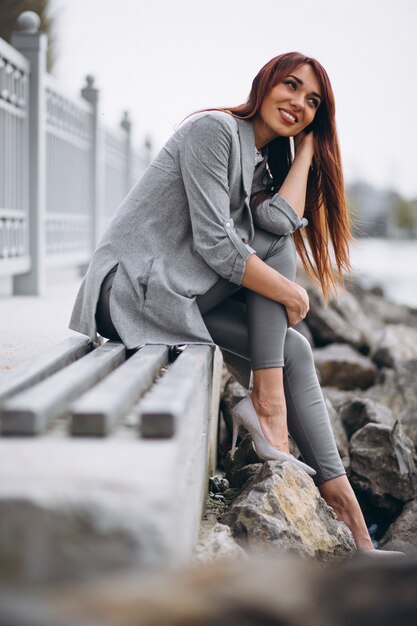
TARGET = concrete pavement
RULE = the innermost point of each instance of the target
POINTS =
(31, 324)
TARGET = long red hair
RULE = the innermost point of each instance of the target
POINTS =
(326, 206)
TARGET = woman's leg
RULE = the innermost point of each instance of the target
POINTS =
(267, 323)
(308, 418)
(104, 322)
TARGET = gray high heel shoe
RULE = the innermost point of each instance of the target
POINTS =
(382, 555)
(244, 414)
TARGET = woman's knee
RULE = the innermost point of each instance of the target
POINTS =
(282, 256)
(297, 349)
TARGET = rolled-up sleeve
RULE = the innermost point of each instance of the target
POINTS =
(277, 216)
(204, 159)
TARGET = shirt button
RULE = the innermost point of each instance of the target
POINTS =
(227, 223)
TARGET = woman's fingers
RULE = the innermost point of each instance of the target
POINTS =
(298, 309)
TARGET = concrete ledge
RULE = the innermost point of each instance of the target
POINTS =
(71, 507)
(97, 411)
(44, 365)
(31, 410)
(162, 409)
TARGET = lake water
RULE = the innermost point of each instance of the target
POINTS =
(390, 264)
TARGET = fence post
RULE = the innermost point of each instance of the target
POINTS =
(92, 95)
(33, 45)
(126, 124)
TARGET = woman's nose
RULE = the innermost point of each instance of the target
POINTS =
(297, 101)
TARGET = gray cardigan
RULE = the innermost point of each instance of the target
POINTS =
(185, 223)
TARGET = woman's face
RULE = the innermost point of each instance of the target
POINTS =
(289, 107)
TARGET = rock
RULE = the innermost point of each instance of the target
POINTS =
(281, 511)
(386, 391)
(339, 365)
(339, 433)
(402, 534)
(218, 544)
(355, 414)
(218, 484)
(383, 465)
(398, 391)
(264, 591)
(245, 464)
(378, 308)
(394, 344)
(338, 397)
(339, 322)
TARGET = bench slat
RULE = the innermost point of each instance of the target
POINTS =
(161, 409)
(44, 365)
(30, 411)
(98, 410)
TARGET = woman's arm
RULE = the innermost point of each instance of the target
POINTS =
(275, 215)
(266, 281)
(278, 212)
(294, 187)
(282, 213)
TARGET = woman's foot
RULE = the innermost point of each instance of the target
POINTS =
(244, 413)
(273, 420)
(268, 398)
(339, 494)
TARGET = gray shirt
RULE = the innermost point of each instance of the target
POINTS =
(185, 223)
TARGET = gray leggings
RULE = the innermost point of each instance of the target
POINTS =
(255, 328)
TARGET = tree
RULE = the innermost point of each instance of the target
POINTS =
(405, 215)
(10, 11)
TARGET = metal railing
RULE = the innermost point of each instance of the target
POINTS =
(62, 175)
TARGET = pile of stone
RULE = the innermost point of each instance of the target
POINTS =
(365, 350)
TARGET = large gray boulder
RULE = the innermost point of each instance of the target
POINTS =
(381, 310)
(339, 322)
(355, 414)
(383, 465)
(339, 365)
(339, 432)
(398, 391)
(219, 543)
(338, 397)
(245, 464)
(393, 344)
(280, 510)
(402, 534)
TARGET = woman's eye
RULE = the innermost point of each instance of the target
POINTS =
(314, 102)
(292, 84)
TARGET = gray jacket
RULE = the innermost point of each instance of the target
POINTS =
(185, 223)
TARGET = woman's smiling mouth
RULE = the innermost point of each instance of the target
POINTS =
(288, 117)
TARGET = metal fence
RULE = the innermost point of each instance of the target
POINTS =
(62, 175)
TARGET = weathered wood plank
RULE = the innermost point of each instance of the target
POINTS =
(98, 410)
(161, 409)
(44, 365)
(30, 411)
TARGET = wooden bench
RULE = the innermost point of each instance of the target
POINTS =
(123, 440)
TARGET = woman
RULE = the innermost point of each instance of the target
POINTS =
(186, 259)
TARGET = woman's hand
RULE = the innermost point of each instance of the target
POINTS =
(304, 145)
(297, 304)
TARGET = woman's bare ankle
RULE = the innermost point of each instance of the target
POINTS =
(339, 494)
(272, 416)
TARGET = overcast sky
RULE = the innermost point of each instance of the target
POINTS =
(162, 59)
